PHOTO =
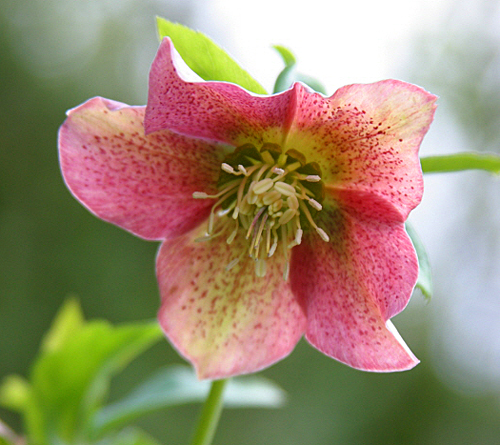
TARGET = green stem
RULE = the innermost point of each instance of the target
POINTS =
(210, 414)
(461, 161)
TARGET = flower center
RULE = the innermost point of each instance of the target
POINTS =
(269, 196)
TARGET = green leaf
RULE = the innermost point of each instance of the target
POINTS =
(129, 436)
(71, 377)
(289, 75)
(14, 393)
(253, 392)
(68, 321)
(285, 79)
(205, 58)
(178, 385)
(461, 161)
(287, 55)
(315, 84)
(424, 281)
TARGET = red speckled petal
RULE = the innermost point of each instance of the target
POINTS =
(141, 183)
(351, 286)
(366, 139)
(211, 110)
(225, 322)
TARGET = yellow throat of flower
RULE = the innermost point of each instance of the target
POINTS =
(268, 196)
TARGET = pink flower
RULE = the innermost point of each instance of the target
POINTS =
(279, 215)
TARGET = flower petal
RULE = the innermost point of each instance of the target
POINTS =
(365, 204)
(141, 183)
(225, 322)
(351, 286)
(366, 138)
(211, 110)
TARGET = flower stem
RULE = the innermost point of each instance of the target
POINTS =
(210, 414)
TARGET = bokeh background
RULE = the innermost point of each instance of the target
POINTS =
(54, 54)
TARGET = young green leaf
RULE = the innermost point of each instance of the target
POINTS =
(71, 377)
(311, 82)
(285, 79)
(14, 393)
(178, 385)
(289, 75)
(461, 161)
(424, 281)
(68, 321)
(129, 436)
(205, 58)
(287, 55)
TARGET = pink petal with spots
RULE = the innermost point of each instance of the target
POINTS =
(366, 140)
(225, 322)
(365, 204)
(351, 286)
(141, 183)
(211, 110)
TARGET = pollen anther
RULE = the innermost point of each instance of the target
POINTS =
(284, 188)
(227, 168)
(313, 178)
(200, 195)
(315, 204)
(262, 186)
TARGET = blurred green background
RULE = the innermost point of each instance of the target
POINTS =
(55, 54)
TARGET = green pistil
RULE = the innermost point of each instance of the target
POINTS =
(269, 196)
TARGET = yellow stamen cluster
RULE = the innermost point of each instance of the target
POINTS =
(267, 199)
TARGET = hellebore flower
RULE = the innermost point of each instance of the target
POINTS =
(280, 215)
